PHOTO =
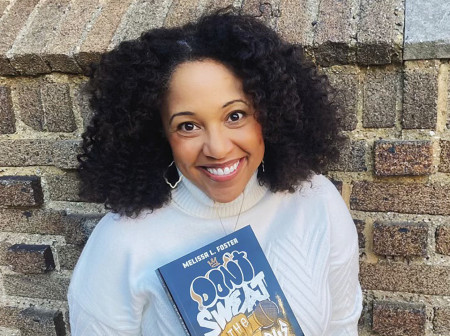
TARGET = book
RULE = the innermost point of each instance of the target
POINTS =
(227, 288)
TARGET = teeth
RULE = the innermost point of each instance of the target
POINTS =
(223, 171)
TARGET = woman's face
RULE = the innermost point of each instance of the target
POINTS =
(210, 123)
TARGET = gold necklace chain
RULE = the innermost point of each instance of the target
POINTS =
(237, 220)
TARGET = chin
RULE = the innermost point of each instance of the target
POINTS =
(225, 197)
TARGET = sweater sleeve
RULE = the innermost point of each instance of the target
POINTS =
(345, 290)
(84, 324)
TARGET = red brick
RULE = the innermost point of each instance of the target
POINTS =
(433, 199)
(20, 191)
(420, 94)
(398, 319)
(403, 157)
(412, 278)
(400, 239)
(441, 320)
(7, 118)
(30, 259)
(444, 165)
(443, 240)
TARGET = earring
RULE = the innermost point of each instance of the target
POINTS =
(262, 166)
(173, 186)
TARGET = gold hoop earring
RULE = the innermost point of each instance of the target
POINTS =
(173, 186)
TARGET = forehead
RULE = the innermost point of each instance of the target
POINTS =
(203, 83)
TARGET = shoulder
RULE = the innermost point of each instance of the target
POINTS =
(342, 230)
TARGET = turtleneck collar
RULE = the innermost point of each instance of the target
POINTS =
(194, 201)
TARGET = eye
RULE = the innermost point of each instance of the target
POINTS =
(236, 116)
(187, 127)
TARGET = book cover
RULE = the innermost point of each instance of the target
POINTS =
(227, 288)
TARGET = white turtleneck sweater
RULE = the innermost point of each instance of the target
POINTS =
(308, 237)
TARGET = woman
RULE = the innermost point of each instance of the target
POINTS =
(199, 131)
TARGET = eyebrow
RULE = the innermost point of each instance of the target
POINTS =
(192, 113)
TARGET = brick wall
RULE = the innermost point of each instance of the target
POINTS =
(394, 173)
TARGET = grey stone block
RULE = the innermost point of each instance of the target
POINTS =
(7, 118)
(29, 104)
(20, 191)
(141, 16)
(38, 321)
(38, 221)
(39, 152)
(420, 94)
(81, 98)
(352, 158)
(68, 256)
(41, 286)
(29, 46)
(297, 20)
(21, 152)
(63, 187)
(65, 153)
(380, 32)
(427, 36)
(346, 83)
(101, 33)
(10, 25)
(45, 106)
(57, 107)
(381, 93)
(181, 12)
(78, 228)
(30, 259)
(335, 36)
(67, 39)
(6, 67)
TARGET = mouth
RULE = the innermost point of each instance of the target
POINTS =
(223, 172)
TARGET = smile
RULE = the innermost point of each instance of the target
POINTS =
(223, 171)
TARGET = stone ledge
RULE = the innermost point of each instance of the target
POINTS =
(69, 42)
(427, 36)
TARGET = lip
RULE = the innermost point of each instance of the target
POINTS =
(223, 178)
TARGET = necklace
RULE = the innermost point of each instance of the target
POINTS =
(237, 220)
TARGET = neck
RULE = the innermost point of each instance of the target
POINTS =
(194, 201)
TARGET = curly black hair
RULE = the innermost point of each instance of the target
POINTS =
(125, 153)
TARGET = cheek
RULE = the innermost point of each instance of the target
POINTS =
(184, 152)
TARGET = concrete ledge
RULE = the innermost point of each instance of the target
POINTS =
(66, 35)
(427, 29)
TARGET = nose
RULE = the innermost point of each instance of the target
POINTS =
(217, 144)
